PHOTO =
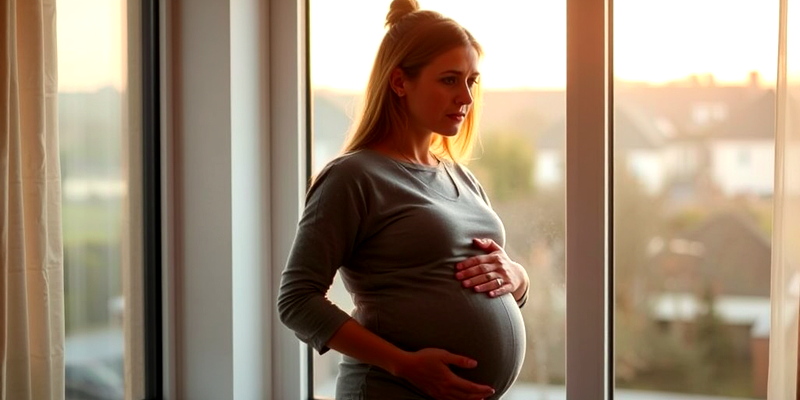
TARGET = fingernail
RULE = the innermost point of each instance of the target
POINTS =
(459, 275)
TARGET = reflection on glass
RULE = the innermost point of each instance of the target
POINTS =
(694, 162)
(91, 99)
(519, 160)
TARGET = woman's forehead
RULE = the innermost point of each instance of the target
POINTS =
(462, 60)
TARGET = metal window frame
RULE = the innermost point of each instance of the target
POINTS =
(308, 129)
(589, 208)
(151, 200)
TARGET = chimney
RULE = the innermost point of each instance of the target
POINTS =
(710, 81)
(755, 80)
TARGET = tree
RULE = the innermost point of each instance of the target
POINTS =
(637, 220)
(506, 166)
(712, 339)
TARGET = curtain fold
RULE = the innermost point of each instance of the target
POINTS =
(785, 288)
(31, 256)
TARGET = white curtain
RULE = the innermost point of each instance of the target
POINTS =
(31, 262)
(783, 355)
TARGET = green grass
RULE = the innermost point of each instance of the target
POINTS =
(95, 221)
(737, 381)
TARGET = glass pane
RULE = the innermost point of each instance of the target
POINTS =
(520, 160)
(786, 236)
(93, 116)
(694, 163)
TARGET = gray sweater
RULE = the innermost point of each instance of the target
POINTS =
(395, 231)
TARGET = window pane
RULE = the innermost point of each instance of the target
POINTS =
(693, 179)
(95, 139)
(520, 160)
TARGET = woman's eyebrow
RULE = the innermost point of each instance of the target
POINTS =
(458, 72)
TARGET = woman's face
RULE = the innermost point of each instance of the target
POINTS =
(440, 97)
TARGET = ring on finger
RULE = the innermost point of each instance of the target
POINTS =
(499, 282)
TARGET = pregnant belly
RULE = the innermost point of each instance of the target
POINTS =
(450, 317)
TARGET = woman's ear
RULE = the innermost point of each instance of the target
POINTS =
(397, 82)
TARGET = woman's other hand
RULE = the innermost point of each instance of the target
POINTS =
(428, 370)
(494, 273)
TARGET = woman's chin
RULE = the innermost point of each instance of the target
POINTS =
(450, 132)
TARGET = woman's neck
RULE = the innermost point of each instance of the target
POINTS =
(414, 150)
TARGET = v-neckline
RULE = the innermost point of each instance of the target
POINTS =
(442, 165)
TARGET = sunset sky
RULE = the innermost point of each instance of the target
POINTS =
(525, 41)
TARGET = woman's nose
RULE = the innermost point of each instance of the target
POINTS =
(465, 96)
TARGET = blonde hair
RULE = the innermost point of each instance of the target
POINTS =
(414, 38)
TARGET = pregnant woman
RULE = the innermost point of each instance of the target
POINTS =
(412, 233)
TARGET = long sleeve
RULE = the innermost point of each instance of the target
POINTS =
(477, 186)
(326, 236)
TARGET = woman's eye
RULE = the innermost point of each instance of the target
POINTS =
(449, 80)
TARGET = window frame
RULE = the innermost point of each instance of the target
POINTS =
(197, 97)
(189, 325)
(151, 200)
(589, 180)
(141, 267)
(289, 113)
(589, 171)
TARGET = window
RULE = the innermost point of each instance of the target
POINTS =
(682, 156)
(107, 199)
(693, 254)
(519, 159)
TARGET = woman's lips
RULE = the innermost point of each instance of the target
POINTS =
(458, 117)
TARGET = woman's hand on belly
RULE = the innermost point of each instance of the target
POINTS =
(428, 370)
(494, 274)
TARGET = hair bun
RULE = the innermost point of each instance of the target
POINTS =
(399, 9)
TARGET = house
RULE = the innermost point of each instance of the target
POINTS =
(729, 255)
(741, 149)
(691, 111)
(687, 141)
(639, 138)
